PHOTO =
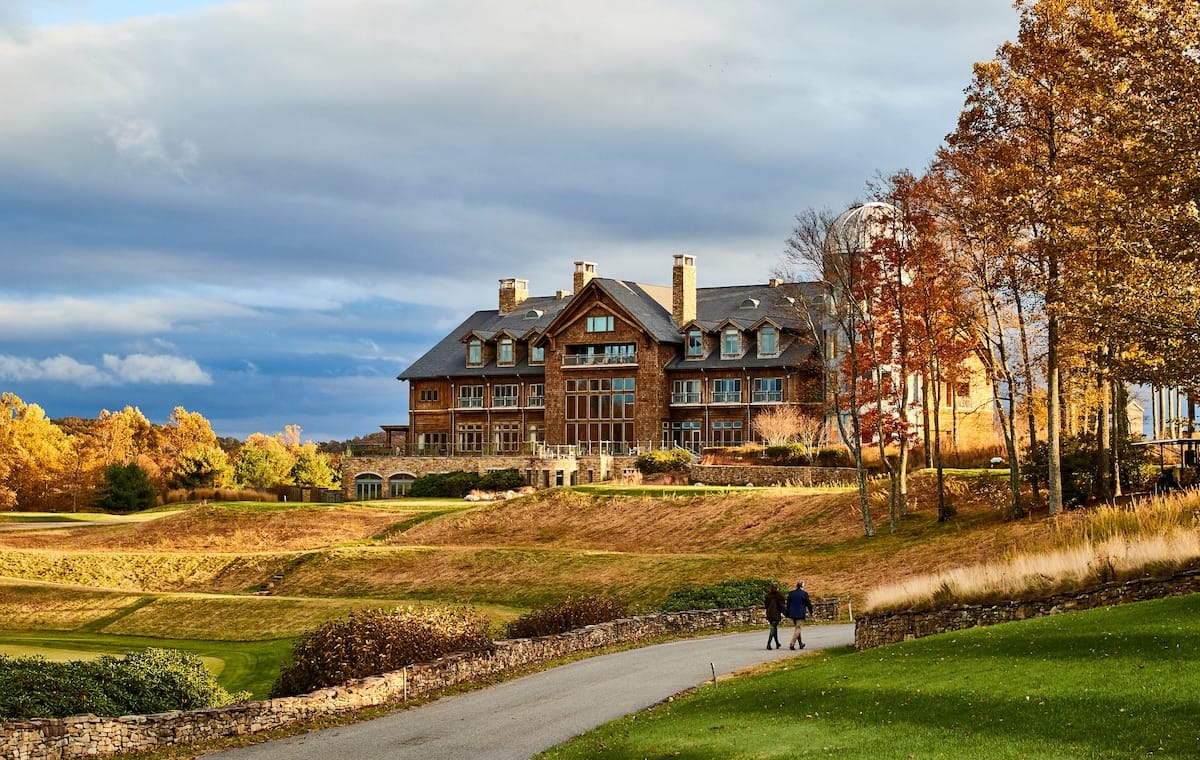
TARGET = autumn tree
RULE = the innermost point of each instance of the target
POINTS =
(822, 244)
(35, 457)
(313, 469)
(263, 462)
(1090, 144)
(190, 452)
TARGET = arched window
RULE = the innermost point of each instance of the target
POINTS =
(399, 484)
(367, 486)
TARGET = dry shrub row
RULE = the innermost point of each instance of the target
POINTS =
(176, 495)
(378, 641)
(569, 614)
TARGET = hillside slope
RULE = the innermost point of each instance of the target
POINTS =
(535, 549)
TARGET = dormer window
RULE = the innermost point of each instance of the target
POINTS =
(731, 343)
(475, 353)
(768, 341)
(695, 344)
(504, 354)
(534, 314)
(537, 355)
(750, 303)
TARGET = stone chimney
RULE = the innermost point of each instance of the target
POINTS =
(584, 271)
(683, 289)
(512, 293)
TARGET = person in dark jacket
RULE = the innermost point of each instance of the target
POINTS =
(774, 604)
(798, 607)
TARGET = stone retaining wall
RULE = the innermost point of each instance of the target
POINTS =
(90, 736)
(890, 628)
(766, 475)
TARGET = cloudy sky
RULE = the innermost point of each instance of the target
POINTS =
(265, 210)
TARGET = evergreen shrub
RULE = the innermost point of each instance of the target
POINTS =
(454, 485)
(502, 480)
(126, 488)
(731, 594)
(664, 460)
(152, 681)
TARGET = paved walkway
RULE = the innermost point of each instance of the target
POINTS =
(519, 718)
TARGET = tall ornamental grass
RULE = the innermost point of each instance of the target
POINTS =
(1109, 543)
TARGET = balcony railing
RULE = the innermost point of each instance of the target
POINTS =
(537, 401)
(590, 360)
(766, 396)
(727, 397)
(470, 403)
(685, 398)
(500, 401)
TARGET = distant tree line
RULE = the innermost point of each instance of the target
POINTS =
(120, 461)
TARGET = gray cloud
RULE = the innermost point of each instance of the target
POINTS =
(115, 370)
(320, 176)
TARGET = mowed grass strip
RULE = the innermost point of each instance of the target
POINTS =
(1117, 682)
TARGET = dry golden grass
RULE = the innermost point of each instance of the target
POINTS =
(145, 571)
(52, 608)
(218, 529)
(210, 618)
(1087, 547)
(771, 518)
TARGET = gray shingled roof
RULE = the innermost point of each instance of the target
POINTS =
(648, 304)
(448, 356)
(797, 351)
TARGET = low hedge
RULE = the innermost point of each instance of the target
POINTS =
(455, 485)
(731, 594)
(665, 460)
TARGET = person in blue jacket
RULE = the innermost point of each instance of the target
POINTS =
(798, 607)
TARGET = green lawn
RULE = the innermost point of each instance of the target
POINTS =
(1119, 682)
(239, 665)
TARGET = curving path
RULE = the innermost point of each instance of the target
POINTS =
(519, 718)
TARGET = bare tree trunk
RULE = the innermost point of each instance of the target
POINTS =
(943, 509)
(1053, 421)
(1104, 439)
(926, 428)
(1027, 371)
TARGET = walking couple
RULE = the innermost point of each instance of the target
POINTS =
(796, 606)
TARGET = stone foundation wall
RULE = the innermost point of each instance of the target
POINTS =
(386, 466)
(90, 736)
(890, 628)
(766, 475)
